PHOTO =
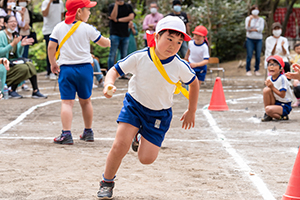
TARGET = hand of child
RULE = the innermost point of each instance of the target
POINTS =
(188, 119)
(296, 74)
(55, 68)
(108, 90)
(193, 65)
(269, 83)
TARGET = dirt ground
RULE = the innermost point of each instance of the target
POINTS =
(228, 155)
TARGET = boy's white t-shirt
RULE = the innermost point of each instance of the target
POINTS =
(198, 52)
(147, 85)
(282, 84)
(270, 43)
(53, 17)
(76, 50)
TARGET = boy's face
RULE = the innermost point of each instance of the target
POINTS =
(297, 49)
(198, 38)
(84, 14)
(167, 45)
(273, 68)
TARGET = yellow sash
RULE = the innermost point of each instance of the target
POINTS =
(71, 31)
(163, 72)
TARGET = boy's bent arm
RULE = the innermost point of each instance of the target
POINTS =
(110, 79)
(103, 42)
(188, 117)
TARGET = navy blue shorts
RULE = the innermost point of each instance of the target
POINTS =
(75, 78)
(153, 124)
(201, 72)
(286, 107)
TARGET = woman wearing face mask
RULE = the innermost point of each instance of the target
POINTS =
(9, 9)
(254, 26)
(11, 47)
(278, 45)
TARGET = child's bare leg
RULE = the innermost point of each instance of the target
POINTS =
(120, 147)
(147, 151)
(87, 112)
(274, 111)
(269, 98)
(66, 114)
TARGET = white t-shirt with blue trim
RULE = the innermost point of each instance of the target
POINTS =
(282, 84)
(147, 85)
(76, 50)
(198, 52)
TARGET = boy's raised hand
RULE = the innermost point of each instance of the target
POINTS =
(108, 90)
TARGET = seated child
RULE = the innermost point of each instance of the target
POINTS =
(277, 93)
(296, 83)
(198, 53)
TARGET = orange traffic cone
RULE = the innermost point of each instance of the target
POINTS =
(217, 101)
(293, 188)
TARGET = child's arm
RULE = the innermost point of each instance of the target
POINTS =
(110, 79)
(51, 55)
(188, 116)
(269, 84)
(186, 57)
(199, 64)
(103, 42)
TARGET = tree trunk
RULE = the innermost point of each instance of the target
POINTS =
(209, 25)
(287, 16)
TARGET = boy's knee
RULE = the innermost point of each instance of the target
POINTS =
(269, 111)
(146, 160)
(266, 90)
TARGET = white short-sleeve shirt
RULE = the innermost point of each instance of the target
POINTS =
(270, 43)
(147, 85)
(76, 50)
(198, 52)
(53, 17)
(282, 84)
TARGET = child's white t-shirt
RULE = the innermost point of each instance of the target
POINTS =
(147, 85)
(282, 84)
(198, 52)
(76, 50)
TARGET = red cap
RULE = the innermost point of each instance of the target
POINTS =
(200, 30)
(72, 7)
(277, 58)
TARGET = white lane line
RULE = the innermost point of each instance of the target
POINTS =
(257, 181)
(30, 110)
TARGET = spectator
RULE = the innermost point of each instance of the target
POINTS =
(96, 67)
(150, 21)
(120, 14)
(277, 94)
(278, 45)
(8, 9)
(12, 47)
(296, 83)
(183, 16)
(53, 13)
(254, 26)
(2, 27)
(4, 66)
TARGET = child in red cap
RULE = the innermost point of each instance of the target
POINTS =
(74, 66)
(277, 93)
(198, 53)
(148, 104)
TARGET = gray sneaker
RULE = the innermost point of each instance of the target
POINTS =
(135, 142)
(14, 95)
(87, 136)
(38, 95)
(106, 190)
(64, 139)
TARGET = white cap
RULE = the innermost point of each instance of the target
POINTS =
(172, 23)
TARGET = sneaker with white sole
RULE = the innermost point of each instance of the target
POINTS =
(38, 95)
(249, 73)
(257, 73)
(14, 95)
(106, 190)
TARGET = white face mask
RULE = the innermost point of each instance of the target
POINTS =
(10, 31)
(12, 4)
(277, 33)
(177, 8)
(153, 10)
(255, 12)
(23, 4)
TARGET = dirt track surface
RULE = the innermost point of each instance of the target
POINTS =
(228, 155)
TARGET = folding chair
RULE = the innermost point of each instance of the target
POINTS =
(215, 61)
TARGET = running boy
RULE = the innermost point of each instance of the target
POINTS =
(74, 66)
(278, 93)
(147, 105)
(198, 53)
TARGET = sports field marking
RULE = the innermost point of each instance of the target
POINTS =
(257, 181)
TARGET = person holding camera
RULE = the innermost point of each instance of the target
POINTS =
(10, 8)
(53, 13)
(12, 47)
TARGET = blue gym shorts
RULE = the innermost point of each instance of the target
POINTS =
(286, 107)
(153, 124)
(76, 78)
(201, 72)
